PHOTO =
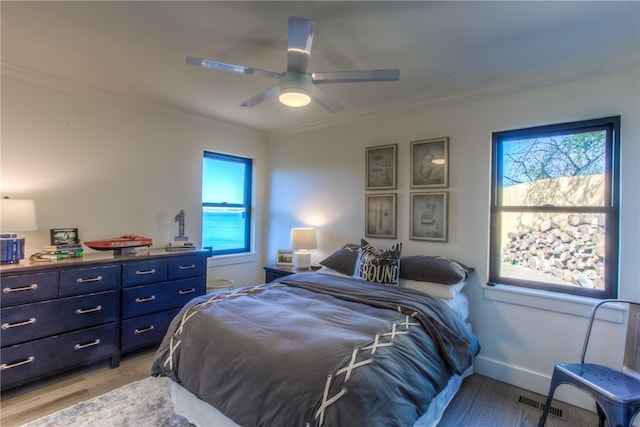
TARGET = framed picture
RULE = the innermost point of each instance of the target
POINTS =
(284, 257)
(380, 218)
(429, 216)
(381, 167)
(430, 163)
(64, 236)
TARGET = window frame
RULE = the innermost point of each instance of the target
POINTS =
(247, 198)
(610, 208)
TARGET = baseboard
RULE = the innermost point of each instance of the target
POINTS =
(532, 381)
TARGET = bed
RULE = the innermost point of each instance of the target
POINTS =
(318, 349)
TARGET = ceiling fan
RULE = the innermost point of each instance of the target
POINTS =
(295, 86)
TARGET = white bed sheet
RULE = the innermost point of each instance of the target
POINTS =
(201, 414)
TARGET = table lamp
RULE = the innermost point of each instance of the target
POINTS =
(303, 239)
(15, 215)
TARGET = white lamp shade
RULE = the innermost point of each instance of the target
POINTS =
(17, 215)
(303, 238)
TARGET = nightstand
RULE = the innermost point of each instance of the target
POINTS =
(273, 272)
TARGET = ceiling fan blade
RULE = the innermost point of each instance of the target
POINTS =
(325, 101)
(262, 96)
(355, 76)
(221, 66)
(301, 32)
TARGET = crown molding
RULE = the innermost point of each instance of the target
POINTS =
(463, 95)
(67, 86)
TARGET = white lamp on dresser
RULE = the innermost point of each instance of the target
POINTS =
(302, 240)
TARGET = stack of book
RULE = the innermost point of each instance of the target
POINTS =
(55, 252)
(180, 245)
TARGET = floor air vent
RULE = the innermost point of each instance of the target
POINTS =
(532, 403)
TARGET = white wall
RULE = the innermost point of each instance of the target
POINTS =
(108, 167)
(317, 178)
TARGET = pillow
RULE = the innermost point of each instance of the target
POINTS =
(433, 269)
(434, 289)
(331, 271)
(343, 260)
(378, 266)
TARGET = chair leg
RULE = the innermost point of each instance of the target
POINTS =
(601, 416)
(547, 405)
(617, 415)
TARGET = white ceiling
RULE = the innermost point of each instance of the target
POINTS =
(444, 50)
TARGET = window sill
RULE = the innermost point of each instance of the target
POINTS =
(556, 302)
(231, 259)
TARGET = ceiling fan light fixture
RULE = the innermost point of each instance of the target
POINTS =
(295, 89)
(293, 97)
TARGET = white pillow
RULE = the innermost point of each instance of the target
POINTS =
(434, 289)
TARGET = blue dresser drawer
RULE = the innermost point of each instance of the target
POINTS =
(147, 299)
(27, 322)
(88, 280)
(29, 361)
(21, 289)
(145, 330)
(187, 266)
(142, 273)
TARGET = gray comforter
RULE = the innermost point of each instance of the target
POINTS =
(314, 350)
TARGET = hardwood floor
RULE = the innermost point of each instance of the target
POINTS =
(481, 402)
(30, 402)
(484, 402)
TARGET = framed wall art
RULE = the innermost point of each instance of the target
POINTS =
(380, 220)
(429, 213)
(64, 236)
(381, 167)
(284, 257)
(430, 163)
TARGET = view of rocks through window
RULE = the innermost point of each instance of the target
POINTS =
(566, 249)
(559, 247)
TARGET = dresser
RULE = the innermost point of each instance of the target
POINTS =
(65, 314)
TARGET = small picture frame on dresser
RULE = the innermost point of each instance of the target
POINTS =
(284, 257)
(64, 236)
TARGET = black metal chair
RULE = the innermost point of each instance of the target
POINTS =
(616, 392)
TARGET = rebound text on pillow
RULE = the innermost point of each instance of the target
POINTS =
(433, 269)
(378, 266)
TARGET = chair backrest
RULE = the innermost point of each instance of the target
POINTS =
(632, 346)
(631, 362)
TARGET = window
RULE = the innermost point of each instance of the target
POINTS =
(226, 203)
(554, 207)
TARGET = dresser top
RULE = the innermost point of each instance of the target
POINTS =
(88, 259)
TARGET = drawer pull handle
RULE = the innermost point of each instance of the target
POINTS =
(15, 365)
(88, 310)
(142, 273)
(143, 330)
(15, 325)
(187, 267)
(92, 279)
(186, 291)
(151, 298)
(31, 287)
(91, 344)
